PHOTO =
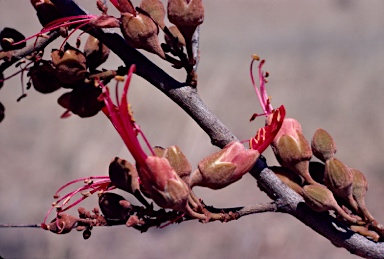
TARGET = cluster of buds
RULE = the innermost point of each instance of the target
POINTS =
(165, 175)
(71, 68)
(68, 68)
(140, 27)
(326, 185)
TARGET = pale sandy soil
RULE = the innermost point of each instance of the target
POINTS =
(326, 64)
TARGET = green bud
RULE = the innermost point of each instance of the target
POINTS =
(359, 190)
(323, 145)
(319, 198)
(338, 178)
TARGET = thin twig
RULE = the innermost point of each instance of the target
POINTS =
(20, 225)
(40, 44)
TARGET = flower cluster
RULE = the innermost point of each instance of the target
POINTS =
(330, 185)
(165, 175)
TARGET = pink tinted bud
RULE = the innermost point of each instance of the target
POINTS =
(292, 150)
(224, 167)
(161, 182)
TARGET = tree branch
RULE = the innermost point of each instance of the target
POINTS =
(187, 98)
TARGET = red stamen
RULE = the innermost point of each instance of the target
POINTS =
(62, 22)
(103, 183)
(262, 93)
(123, 121)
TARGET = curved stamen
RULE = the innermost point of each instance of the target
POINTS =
(262, 93)
(61, 22)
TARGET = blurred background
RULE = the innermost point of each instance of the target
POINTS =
(325, 60)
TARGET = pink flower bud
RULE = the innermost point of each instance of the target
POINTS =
(161, 182)
(224, 167)
(292, 150)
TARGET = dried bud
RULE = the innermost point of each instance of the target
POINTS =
(176, 34)
(292, 149)
(111, 207)
(359, 190)
(124, 175)
(290, 178)
(186, 15)
(338, 178)
(8, 36)
(320, 198)
(84, 101)
(44, 79)
(155, 9)
(323, 146)
(224, 167)
(141, 32)
(95, 52)
(71, 65)
(46, 11)
(63, 224)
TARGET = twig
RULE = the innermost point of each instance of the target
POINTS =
(40, 44)
(20, 225)
(286, 199)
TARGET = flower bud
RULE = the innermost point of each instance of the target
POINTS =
(290, 178)
(176, 34)
(156, 11)
(160, 181)
(338, 178)
(63, 224)
(111, 207)
(71, 65)
(323, 146)
(177, 160)
(320, 198)
(359, 190)
(141, 32)
(95, 52)
(224, 167)
(43, 78)
(292, 149)
(186, 15)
